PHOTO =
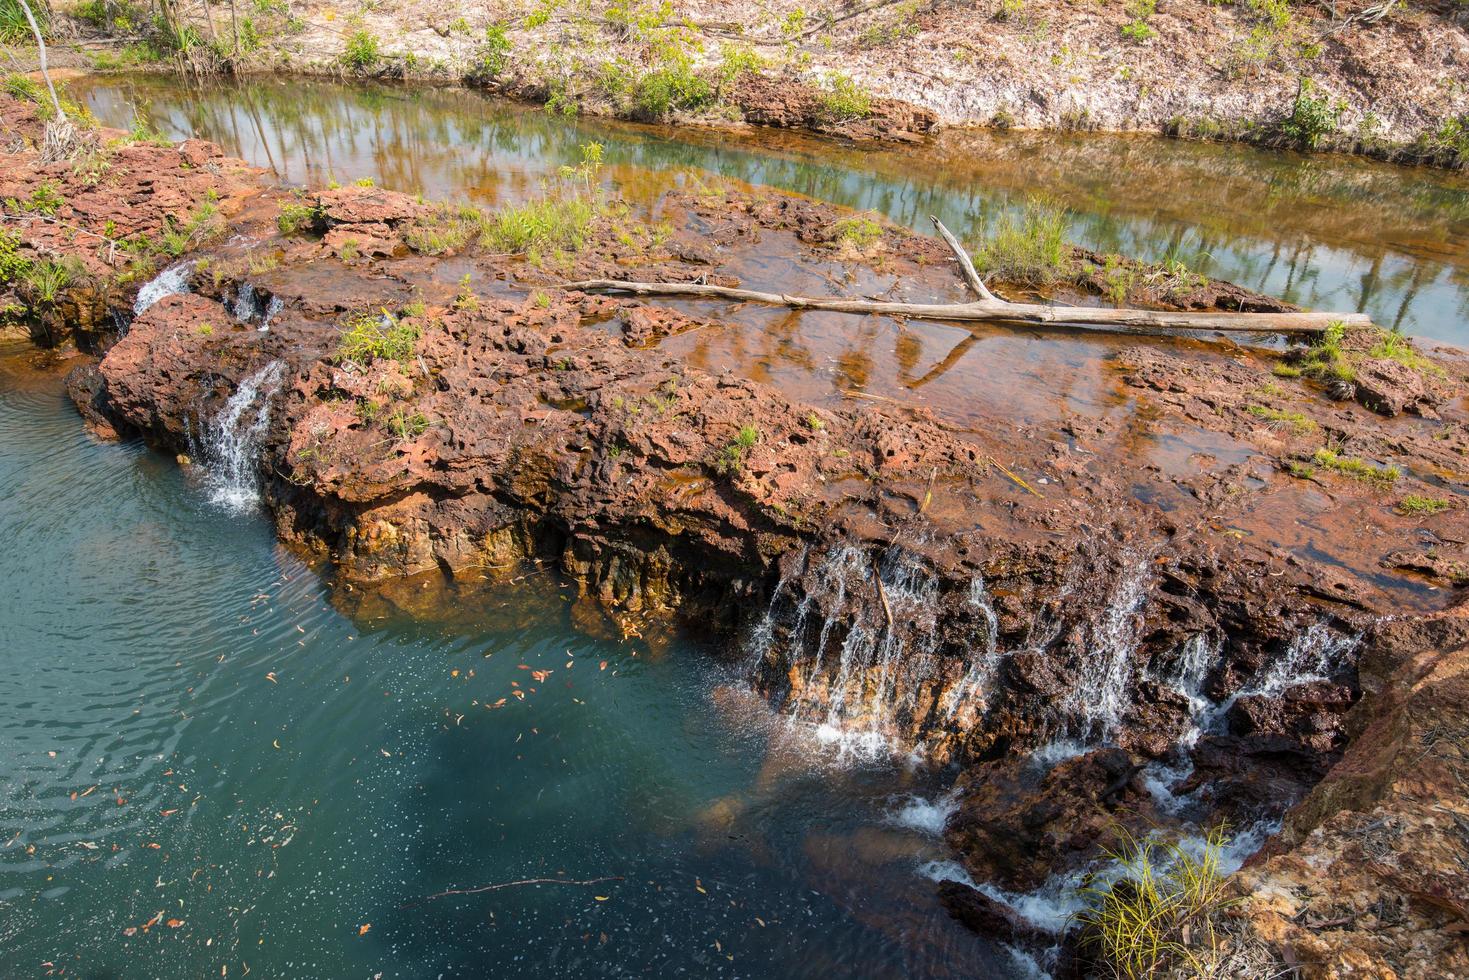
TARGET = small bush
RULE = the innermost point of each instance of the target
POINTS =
(493, 55)
(731, 458)
(844, 99)
(296, 219)
(13, 265)
(673, 87)
(1327, 360)
(45, 199)
(1029, 249)
(48, 278)
(859, 231)
(1312, 120)
(363, 51)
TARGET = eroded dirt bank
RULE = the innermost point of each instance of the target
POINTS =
(1383, 79)
(1175, 588)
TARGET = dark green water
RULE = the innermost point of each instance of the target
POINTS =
(1324, 231)
(276, 777)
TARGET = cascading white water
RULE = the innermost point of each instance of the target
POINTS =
(251, 305)
(1100, 698)
(984, 657)
(231, 440)
(169, 282)
(886, 613)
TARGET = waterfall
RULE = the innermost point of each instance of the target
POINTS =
(255, 306)
(1100, 697)
(984, 657)
(1310, 656)
(858, 680)
(173, 280)
(231, 440)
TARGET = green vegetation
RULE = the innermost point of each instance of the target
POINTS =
(1158, 915)
(1029, 249)
(15, 29)
(493, 55)
(299, 218)
(814, 423)
(1138, 30)
(731, 458)
(201, 226)
(363, 52)
(843, 99)
(1295, 420)
(48, 278)
(1415, 506)
(1393, 346)
(368, 336)
(466, 299)
(1326, 360)
(559, 221)
(1303, 471)
(45, 199)
(13, 265)
(1312, 120)
(860, 231)
(1357, 469)
(737, 61)
(405, 424)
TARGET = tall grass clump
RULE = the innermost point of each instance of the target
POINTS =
(1158, 911)
(1030, 248)
(368, 336)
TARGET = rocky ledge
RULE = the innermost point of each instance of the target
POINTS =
(1096, 632)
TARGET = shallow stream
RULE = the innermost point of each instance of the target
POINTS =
(211, 767)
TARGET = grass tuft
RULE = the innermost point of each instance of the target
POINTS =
(1157, 914)
(1357, 469)
(1029, 249)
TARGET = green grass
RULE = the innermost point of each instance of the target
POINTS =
(200, 226)
(48, 278)
(1327, 360)
(1393, 346)
(1157, 916)
(368, 336)
(1357, 469)
(731, 458)
(296, 219)
(1295, 420)
(15, 29)
(405, 424)
(1415, 506)
(1030, 248)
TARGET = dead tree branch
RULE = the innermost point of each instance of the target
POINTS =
(990, 308)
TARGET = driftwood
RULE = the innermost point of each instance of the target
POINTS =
(988, 307)
(516, 884)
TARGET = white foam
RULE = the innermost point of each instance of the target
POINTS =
(170, 282)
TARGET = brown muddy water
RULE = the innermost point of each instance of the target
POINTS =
(1323, 231)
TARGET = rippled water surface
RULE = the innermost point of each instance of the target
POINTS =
(1321, 230)
(207, 769)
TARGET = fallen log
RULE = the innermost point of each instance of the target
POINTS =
(990, 308)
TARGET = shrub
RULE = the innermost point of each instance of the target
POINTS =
(1029, 249)
(1327, 360)
(45, 199)
(1312, 119)
(671, 87)
(1159, 912)
(731, 458)
(13, 265)
(859, 231)
(296, 219)
(844, 99)
(493, 55)
(363, 52)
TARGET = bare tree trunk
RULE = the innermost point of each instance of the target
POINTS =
(235, 28)
(41, 51)
(988, 308)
